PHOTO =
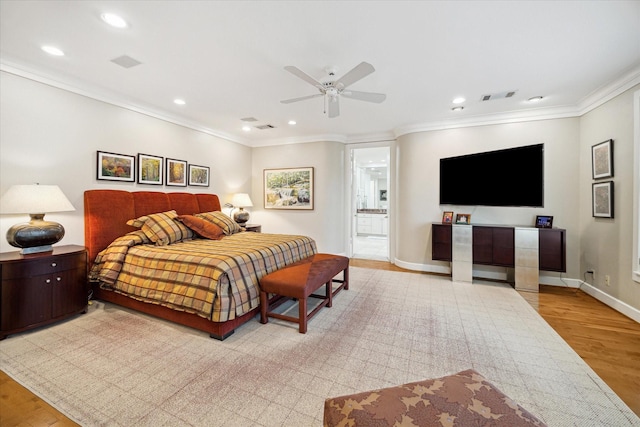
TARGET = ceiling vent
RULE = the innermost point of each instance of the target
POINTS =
(249, 119)
(126, 61)
(501, 95)
(263, 127)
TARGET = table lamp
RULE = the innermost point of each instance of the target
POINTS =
(241, 201)
(37, 235)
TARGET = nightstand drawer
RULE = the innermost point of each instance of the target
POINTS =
(38, 267)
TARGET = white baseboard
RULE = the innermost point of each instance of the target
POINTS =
(612, 302)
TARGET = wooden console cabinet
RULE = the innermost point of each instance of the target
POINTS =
(39, 289)
(494, 245)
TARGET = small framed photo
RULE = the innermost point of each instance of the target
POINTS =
(603, 199)
(602, 159)
(463, 219)
(199, 175)
(447, 217)
(116, 167)
(544, 221)
(176, 173)
(150, 169)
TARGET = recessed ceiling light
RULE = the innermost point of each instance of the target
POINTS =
(52, 50)
(114, 20)
(457, 109)
(179, 101)
(246, 128)
(535, 99)
(458, 100)
(292, 122)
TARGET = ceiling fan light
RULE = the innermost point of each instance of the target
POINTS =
(179, 101)
(458, 100)
(246, 128)
(292, 122)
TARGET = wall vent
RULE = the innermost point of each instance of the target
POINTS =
(126, 61)
(263, 127)
(500, 95)
(249, 119)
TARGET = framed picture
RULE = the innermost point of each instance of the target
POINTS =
(199, 175)
(447, 217)
(463, 219)
(383, 195)
(288, 188)
(602, 160)
(544, 221)
(603, 199)
(149, 169)
(116, 167)
(176, 173)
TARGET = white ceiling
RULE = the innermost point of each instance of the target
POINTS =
(226, 59)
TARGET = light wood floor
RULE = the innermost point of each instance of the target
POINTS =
(608, 341)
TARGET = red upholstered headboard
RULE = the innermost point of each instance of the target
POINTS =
(106, 212)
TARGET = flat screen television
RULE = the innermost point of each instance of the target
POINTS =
(510, 177)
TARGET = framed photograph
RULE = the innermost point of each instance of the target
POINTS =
(176, 173)
(603, 199)
(288, 188)
(447, 217)
(199, 175)
(116, 167)
(602, 160)
(463, 219)
(383, 195)
(544, 221)
(149, 169)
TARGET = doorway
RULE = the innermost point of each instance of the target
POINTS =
(370, 203)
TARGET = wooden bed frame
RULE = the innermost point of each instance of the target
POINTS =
(106, 213)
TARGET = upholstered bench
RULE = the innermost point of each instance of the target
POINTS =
(462, 399)
(299, 281)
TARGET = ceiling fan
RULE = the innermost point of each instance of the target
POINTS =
(333, 89)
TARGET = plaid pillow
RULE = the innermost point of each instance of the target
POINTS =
(202, 227)
(223, 221)
(162, 228)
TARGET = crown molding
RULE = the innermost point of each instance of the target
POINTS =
(93, 92)
(610, 90)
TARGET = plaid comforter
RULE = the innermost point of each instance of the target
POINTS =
(215, 279)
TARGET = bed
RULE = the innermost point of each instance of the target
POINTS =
(207, 284)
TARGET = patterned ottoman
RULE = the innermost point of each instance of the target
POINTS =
(462, 399)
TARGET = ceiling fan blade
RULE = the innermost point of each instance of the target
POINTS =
(334, 107)
(365, 96)
(360, 71)
(304, 76)
(302, 98)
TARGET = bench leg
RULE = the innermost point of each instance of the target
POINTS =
(302, 315)
(329, 286)
(345, 277)
(264, 305)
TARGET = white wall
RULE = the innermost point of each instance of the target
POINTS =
(418, 206)
(325, 223)
(50, 136)
(606, 244)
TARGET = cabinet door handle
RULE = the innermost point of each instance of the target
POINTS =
(53, 264)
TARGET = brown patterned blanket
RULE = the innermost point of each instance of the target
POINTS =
(215, 279)
(462, 399)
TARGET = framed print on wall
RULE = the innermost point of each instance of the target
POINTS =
(288, 188)
(149, 169)
(199, 175)
(116, 167)
(602, 159)
(176, 173)
(603, 199)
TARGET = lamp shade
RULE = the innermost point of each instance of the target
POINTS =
(241, 200)
(34, 199)
(37, 235)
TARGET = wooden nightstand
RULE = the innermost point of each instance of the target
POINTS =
(39, 289)
(256, 228)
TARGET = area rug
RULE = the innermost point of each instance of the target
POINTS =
(115, 367)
